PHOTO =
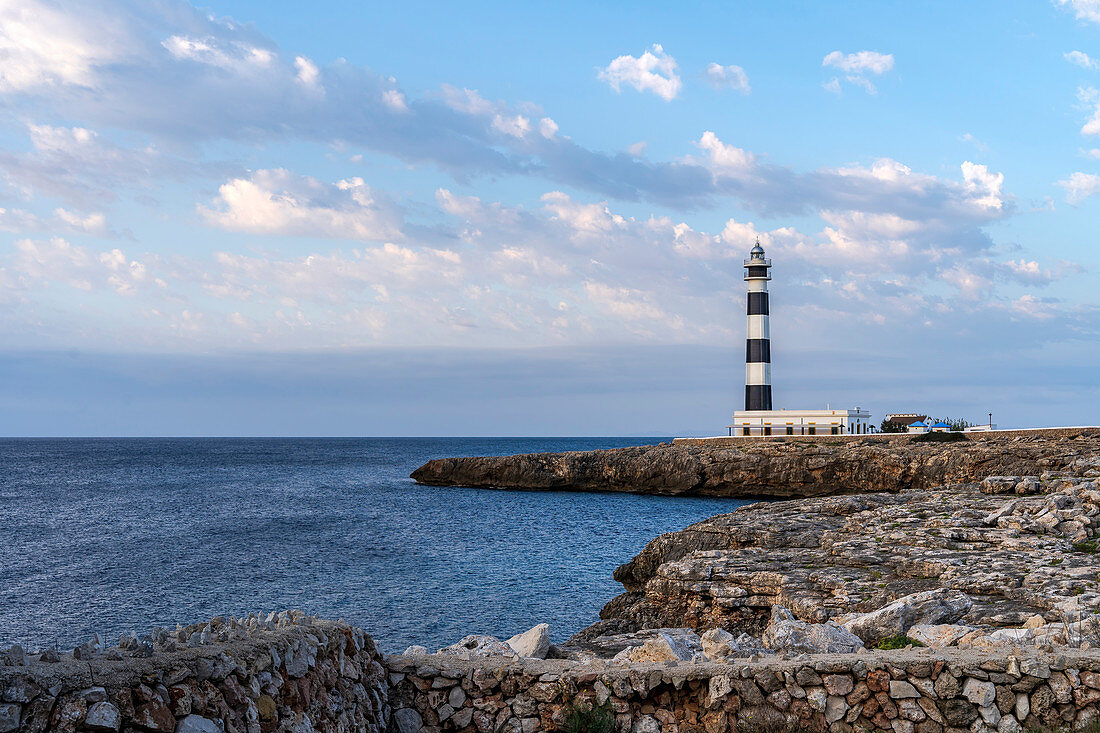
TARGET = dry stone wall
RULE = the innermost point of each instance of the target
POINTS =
(273, 675)
(905, 691)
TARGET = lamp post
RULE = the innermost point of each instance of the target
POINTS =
(991, 421)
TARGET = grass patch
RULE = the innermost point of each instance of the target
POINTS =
(897, 641)
(1056, 561)
(582, 718)
(1088, 546)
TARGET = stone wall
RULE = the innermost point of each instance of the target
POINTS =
(906, 691)
(281, 674)
(323, 676)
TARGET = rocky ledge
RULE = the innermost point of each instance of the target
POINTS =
(786, 468)
(1011, 560)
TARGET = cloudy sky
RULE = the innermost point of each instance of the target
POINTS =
(344, 218)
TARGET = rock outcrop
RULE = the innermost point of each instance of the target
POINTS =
(779, 469)
(954, 564)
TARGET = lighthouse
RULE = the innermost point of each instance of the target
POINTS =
(759, 418)
(758, 353)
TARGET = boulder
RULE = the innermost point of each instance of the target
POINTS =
(930, 607)
(478, 645)
(663, 647)
(198, 724)
(103, 716)
(415, 649)
(788, 634)
(719, 644)
(938, 636)
(533, 643)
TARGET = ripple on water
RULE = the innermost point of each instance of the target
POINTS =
(108, 536)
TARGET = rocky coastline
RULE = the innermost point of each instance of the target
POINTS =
(972, 604)
(782, 468)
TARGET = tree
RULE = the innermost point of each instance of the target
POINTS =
(892, 427)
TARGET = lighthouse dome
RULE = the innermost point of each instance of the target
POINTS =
(757, 251)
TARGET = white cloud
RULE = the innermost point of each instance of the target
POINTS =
(967, 137)
(1090, 97)
(1093, 153)
(42, 45)
(654, 71)
(1080, 186)
(582, 218)
(516, 126)
(862, 62)
(56, 260)
(230, 56)
(727, 158)
(395, 100)
(985, 188)
(279, 203)
(548, 128)
(1084, 9)
(308, 73)
(728, 77)
(857, 66)
(1082, 59)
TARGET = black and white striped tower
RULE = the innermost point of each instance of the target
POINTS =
(758, 353)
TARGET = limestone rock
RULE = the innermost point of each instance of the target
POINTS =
(103, 716)
(663, 647)
(534, 643)
(884, 564)
(197, 724)
(930, 607)
(476, 645)
(788, 634)
(938, 636)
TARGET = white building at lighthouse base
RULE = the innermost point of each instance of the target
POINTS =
(801, 422)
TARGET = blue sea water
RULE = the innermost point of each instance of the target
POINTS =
(113, 535)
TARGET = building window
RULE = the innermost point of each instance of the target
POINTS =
(768, 430)
(745, 430)
(790, 430)
(835, 430)
(813, 430)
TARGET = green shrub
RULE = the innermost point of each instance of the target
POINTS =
(1088, 546)
(897, 641)
(582, 718)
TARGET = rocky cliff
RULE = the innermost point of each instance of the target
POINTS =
(778, 469)
(1022, 549)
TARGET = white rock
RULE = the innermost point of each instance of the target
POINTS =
(198, 724)
(533, 643)
(938, 636)
(476, 645)
(979, 692)
(663, 647)
(937, 606)
(415, 649)
(788, 634)
(103, 716)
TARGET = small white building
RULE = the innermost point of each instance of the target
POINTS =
(801, 422)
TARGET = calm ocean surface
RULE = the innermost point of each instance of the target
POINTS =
(106, 535)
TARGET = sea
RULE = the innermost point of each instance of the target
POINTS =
(109, 536)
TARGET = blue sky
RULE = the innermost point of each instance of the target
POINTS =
(499, 218)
